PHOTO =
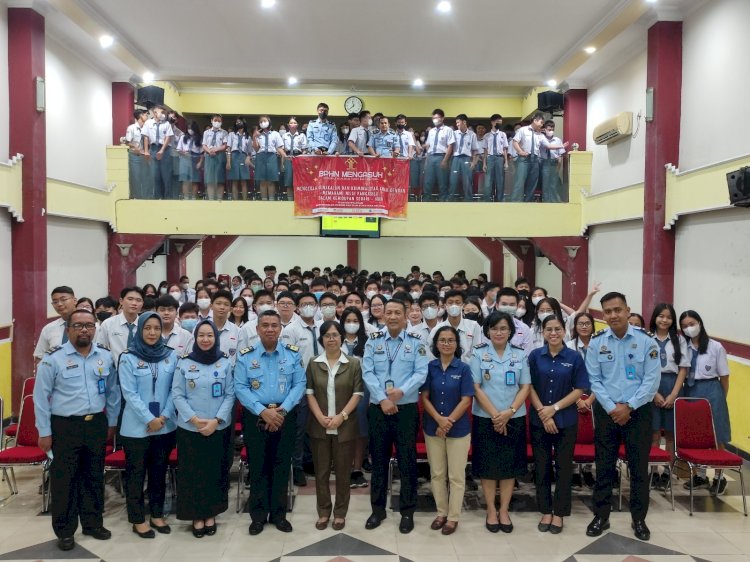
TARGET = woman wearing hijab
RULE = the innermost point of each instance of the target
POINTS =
(203, 393)
(148, 426)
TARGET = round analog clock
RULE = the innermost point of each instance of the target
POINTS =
(353, 104)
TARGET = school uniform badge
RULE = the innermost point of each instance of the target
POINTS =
(255, 384)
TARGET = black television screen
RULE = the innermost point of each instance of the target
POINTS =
(350, 227)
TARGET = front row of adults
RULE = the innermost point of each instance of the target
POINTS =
(189, 402)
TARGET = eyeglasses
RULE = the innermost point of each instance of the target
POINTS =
(333, 336)
(446, 342)
(583, 325)
(500, 329)
(61, 301)
(285, 304)
(81, 326)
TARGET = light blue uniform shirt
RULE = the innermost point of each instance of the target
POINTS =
(265, 378)
(67, 384)
(192, 392)
(142, 383)
(626, 370)
(383, 143)
(402, 360)
(500, 378)
(322, 135)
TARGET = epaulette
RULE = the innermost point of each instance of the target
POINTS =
(644, 330)
(480, 345)
(102, 346)
(246, 350)
(125, 351)
(291, 347)
(600, 332)
(376, 335)
(54, 349)
(516, 347)
(414, 335)
(226, 355)
(185, 356)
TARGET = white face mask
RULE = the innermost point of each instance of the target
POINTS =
(542, 315)
(436, 122)
(345, 130)
(520, 312)
(370, 294)
(430, 313)
(249, 301)
(536, 300)
(216, 124)
(351, 327)
(507, 309)
(203, 304)
(328, 311)
(365, 315)
(191, 132)
(550, 134)
(264, 124)
(175, 295)
(264, 307)
(415, 294)
(307, 311)
(454, 310)
(163, 291)
(692, 331)
(186, 286)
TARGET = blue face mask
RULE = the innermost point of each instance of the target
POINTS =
(318, 294)
(189, 324)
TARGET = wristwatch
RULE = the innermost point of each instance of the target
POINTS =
(512, 409)
(221, 421)
(344, 415)
(556, 407)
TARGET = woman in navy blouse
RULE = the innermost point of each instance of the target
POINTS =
(558, 378)
(446, 397)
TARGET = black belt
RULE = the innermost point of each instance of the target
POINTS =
(706, 380)
(461, 156)
(87, 417)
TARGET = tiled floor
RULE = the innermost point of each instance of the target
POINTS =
(720, 535)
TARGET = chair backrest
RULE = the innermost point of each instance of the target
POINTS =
(28, 386)
(27, 436)
(693, 424)
(585, 435)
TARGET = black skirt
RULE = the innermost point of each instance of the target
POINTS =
(495, 456)
(202, 473)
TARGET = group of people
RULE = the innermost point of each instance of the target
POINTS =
(452, 160)
(347, 367)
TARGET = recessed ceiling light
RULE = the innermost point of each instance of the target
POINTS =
(148, 77)
(590, 50)
(551, 83)
(651, 1)
(291, 81)
(418, 83)
(444, 6)
(106, 41)
(267, 3)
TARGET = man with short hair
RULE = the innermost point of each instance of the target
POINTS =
(439, 147)
(174, 336)
(490, 298)
(55, 333)
(158, 135)
(322, 137)
(465, 154)
(359, 137)
(383, 143)
(140, 175)
(495, 161)
(404, 139)
(522, 284)
(115, 332)
(551, 164)
(229, 333)
(527, 144)
(469, 331)
(507, 301)
(188, 293)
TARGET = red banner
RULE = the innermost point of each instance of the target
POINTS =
(350, 186)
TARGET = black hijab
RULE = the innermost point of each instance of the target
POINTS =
(213, 354)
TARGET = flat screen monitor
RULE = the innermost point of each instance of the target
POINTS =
(350, 227)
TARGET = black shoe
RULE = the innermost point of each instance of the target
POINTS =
(492, 527)
(407, 524)
(576, 481)
(597, 526)
(256, 528)
(210, 530)
(66, 543)
(641, 531)
(99, 533)
(198, 533)
(554, 529)
(358, 480)
(374, 521)
(655, 479)
(162, 530)
(283, 525)
(506, 528)
(698, 482)
(588, 479)
(299, 477)
(718, 487)
(145, 534)
(367, 465)
(543, 527)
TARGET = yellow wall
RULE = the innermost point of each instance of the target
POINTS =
(5, 376)
(739, 413)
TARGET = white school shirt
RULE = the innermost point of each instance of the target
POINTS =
(468, 147)
(50, 336)
(671, 366)
(236, 142)
(439, 139)
(489, 143)
(713, 363)
(270, 142)
(404, 140)
(294, 141)
(229, 337)
(180, 340)
(213, 138)
(469, 332)
(149, 130)
(553, 154)
(524, 137)
(134, 135)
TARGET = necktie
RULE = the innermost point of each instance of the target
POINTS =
(532, 143)
(131, 333)
(184, 296)
(693, 365)
(65, 334)
(213, 138)
(157, 133)
(315, 339)
(494, 142)
(367, 137)
(400, 145)
(461, 143)
(435, 144)
(266, 141)
(663, 352)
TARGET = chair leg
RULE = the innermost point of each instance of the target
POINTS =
(389, 489)
(690, 467)
(13, 479)
(240, 478)
(173, 471)
(671, 487)
(619, 478)
(742, 487)
(290, 494)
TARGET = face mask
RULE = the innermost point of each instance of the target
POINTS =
(203, 304)
(175, 295)
(351, 327)
(264, 124)
(549, 134)
(189, 324)
(430, 313)
(454, 310)
(345, 130)
(216, 124)
(386, 296)
(692, 331)
(422, 138)
(520, 312)
(542, 315)
(328, 311)
(415, 294)
(507, 309)
(163, 291)
(472, 316)
(318, 294)
(162, 117)
(400, 126)
(282, 130)
(307, 281)
(370, 294)
(436, 122)
(536, 300)
(491, 297)
(323, 115)
(191, 132)
(186, 286)
(442, 294)
(307, 311)
(173, 119)
(255, 288)
(498, 126)
(103, 315)
(249, 301)
(264, 307)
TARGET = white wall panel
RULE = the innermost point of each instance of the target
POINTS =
(6, 269)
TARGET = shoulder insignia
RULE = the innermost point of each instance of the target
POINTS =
(600, 332)
(102, 346)
(480, 345)
(414, 335)
(644, 330)
(226, 356)
(185, 356)
(291, 347)
(54, 349)
(376, 335)
(517, 347)
(246, 350)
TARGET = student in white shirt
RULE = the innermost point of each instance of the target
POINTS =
(551, 162)
(215, 149)
(295, 144)
(268, 145)
(238, 172)
(140, 175)
(190, 153)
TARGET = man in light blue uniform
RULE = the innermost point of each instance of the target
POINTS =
(269, 382)
(322, 137)
(624, 372)
(394, 368)
(384, 143)
(75, 383)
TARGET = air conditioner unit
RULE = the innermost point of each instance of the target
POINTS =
(615, 129)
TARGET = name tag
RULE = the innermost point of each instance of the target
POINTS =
(216, 390)
(510, 378)
(630, 372)
(101, 387)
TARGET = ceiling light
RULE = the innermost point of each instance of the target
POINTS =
(551, 83)
(590, 50)
(418, 83)
(444, 6)
(148, 77)
(106, 41)
(291, 81)
(267, 3)
(651, 1)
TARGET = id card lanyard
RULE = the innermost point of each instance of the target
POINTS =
(391, 358)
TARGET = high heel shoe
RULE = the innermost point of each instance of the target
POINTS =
(145, 534)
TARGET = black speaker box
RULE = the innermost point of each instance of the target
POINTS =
(550, 101)
(738, 183)
(150, 96)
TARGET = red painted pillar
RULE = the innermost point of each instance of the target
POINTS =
(569, 254)
(523, 251)
(574, 121)
(664, 75)
(352, 254)
(122, 268)
(493, 250)
(213, 247)
(27, 136)
(177, 258)
(123, 102)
